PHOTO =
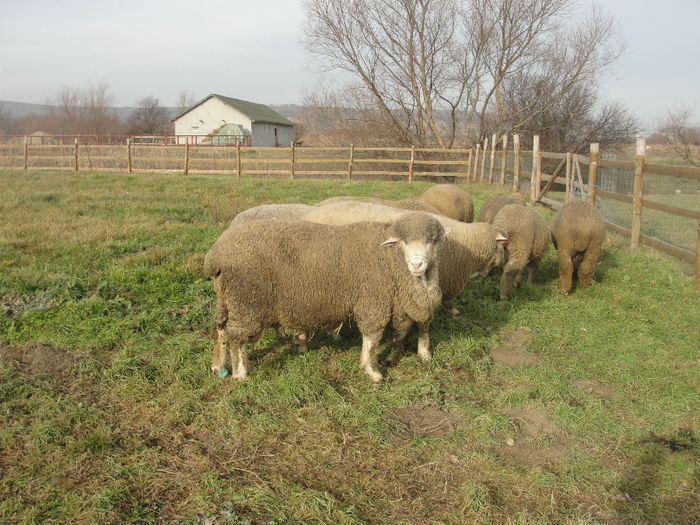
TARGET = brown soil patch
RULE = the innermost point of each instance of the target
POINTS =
(596, 388)
(512, 350)
(36, 358)
(422, 421)
(532, 427)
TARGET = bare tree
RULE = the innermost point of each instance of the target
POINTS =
(435, 69)
(185, 100)
(150, 118)
(677, 131)
(84, 111)
(6, 120)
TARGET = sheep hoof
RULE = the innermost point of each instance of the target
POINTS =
(454, 311)
(223, 373)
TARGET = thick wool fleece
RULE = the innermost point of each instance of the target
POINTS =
(467, 250)
(490, 208)
(272, 211)
(578, 230)
(404, 204)
(528, 236)
(298, 276)
(451, 200)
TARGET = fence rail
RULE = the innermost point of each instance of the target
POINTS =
(669, 195)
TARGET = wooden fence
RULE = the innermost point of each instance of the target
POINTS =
(551, 178)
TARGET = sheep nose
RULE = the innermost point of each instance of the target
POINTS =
(417, 266)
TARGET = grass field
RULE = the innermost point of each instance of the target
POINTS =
(545, 409)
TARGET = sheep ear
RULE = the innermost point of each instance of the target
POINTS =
(447, 231)
(390, 241)
(501, 239)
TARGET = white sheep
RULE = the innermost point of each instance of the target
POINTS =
(490, 208)
(450, 200)
(298, 275)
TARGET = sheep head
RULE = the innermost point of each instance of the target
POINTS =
(418, 236)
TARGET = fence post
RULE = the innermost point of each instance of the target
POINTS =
(238, 159)
(128, 154)
(411, 163)
(75, 155)
(697, 260)
(476, 162)
(637, 192)
(483, 158)
(469, 164)
(187, 157)
(593, 172)
(493, 156)
(352, 155)
(291, 167)
(569, 191)
(26, 153)
(503, 160)
(535, 159)
(516, 162)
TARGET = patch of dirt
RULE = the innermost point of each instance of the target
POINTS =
(512, 350)
(596, 388)
(532, 427)
(36, 358)
(423, 421)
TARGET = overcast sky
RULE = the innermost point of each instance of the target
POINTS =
(251, 50)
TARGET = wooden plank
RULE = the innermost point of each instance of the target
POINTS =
(691, 214)
(624, 164)
(552, 178)
(615, 196)
(682, 172)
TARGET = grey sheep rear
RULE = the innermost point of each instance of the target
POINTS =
(297, 276)
(578, 230)
(490, 208)
(528, 236)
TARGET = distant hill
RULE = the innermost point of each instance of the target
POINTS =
(23, 109)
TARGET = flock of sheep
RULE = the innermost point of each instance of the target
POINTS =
(299, 268)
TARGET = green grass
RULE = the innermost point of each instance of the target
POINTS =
(108, 411)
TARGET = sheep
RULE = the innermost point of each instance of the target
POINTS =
(528, 236)
(490, 208)
(467, 250)
(272, 211)
(297, 275)
(451, 200)
(578, 230)
(404, 204)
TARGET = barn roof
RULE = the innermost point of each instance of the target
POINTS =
(259, 113)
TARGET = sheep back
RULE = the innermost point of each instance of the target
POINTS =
(404, 204)
(490, 208)
(451, 200)
(272, 211)
(578, 230)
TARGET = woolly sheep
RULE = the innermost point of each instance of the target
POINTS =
(451, 200)
(467, 250)
(272, 211)
(578, 230)
(490, 208)
(297, 275)
(528, 236)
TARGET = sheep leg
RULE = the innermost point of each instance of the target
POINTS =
(586, 269)
(300, 340)
(449, 307)
(239, 360)
(566, 271)
(424, 341)
(368, 358)
(534, 263)
(218, 361)
(509, 280)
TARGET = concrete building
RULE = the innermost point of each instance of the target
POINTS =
(223, 120)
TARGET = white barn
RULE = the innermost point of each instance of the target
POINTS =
(222, 119)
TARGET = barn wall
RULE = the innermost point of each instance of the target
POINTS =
(209, 116)
(264, 135)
